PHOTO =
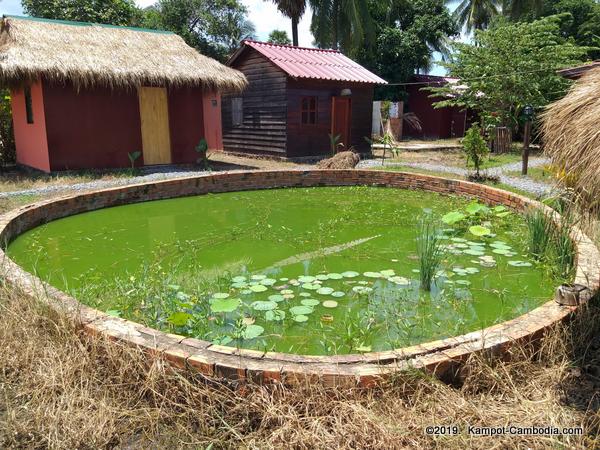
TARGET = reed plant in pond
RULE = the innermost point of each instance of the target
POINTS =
(540, 228)
(429, 250)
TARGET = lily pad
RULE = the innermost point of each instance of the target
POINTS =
(301, 310)
(300, 318)
(305, 294)
(253, 331)
(474, 252)
(519, 264)
(325, 290)
(362, 289)
(288, 296)
(275, 315)
(322, 277)
(264, 305)
(225, 305)
(463, 282)
(337, 294)
(268, 282)
(372, 274)
(220, 295)
(453, 217)
(258, 288)
(501, 251)
(330, 304)
(309, 302)
(286, 291)
(179, 319)
(388, 273)
(310, 286)
(240, 285)
(258, 277)
(350, 274)
(276, 298)
(306, 279)
(238, 279)
(335, 276)
(399, 280)
(478, 230)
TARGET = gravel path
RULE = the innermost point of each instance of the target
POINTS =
(170, 172)
(523, 183)
(157, 175)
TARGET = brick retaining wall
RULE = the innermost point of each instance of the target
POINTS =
(440, 357)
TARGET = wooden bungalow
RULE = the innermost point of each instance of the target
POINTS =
(436, 123)
(86, 95)
(296, 98)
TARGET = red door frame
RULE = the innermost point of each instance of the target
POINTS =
(341, 117)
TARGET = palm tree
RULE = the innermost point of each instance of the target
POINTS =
(341, 23)
(517, 9)
(294, 9)
(475, 14)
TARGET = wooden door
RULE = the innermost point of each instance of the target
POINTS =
(341, 118)
(154, 115)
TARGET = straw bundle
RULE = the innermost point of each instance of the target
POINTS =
(571, 133)
(89, 55)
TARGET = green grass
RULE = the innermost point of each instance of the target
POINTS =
(498, 160)
(541, 174)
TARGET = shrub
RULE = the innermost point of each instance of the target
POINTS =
(475, 147)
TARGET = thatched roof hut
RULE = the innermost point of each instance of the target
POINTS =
(89, 55)
(572, 135)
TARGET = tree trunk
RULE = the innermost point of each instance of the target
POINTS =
(334, 24)
(295, 31)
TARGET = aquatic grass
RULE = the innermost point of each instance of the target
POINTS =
(563, 247)
(429, 250)
(539, 226)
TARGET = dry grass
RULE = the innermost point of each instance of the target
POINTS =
(60, 389)
(572, 136)
(86, 54)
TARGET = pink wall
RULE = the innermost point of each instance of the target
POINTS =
(211, 104)
(30, 138)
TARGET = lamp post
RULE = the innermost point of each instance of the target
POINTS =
(528, 113)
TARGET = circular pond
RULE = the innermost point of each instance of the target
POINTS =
(313, 270)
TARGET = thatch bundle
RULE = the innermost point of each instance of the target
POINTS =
(341, 160)
(571, 133)
(88, 55)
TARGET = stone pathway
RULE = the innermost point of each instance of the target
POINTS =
(523, 183)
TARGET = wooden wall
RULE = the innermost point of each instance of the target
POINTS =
(263, 129)
(310, 140)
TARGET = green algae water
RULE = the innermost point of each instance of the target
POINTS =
(327, 270)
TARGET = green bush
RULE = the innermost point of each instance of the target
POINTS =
(7, 138)
(475, 147)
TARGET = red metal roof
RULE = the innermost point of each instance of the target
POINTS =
(301, 62)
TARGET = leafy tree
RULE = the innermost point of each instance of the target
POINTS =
(279, 37)
(509, 66)
(407, 34)
(580, 20)
(342, 24)
(294, 9)
(214, 27)
(476, 14)
(112, 12)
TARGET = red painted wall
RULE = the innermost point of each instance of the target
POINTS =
(30, 138)
(436, 123)
(92, 128)
(212, 120)
(186, 123)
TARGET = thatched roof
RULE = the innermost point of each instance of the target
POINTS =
(87, 54)
(571, 132)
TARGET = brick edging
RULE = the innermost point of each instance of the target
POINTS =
(439, 357)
